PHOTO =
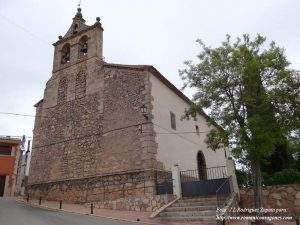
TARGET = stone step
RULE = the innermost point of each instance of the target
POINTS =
(188, 214)
(190, 208)
(188, 204)
(209, 200)
(199, 199)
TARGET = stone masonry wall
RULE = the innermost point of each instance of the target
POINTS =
(94, 133)
(146, 203)
(90, 123)
(277, 196)
(96, 189)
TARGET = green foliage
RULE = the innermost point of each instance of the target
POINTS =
(216, 139)
(249, 90)
(242, 178)
(287, 176)
(294, 150)
(279, 160)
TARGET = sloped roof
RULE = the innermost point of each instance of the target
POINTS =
(8, 140)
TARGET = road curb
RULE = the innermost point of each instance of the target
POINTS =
(87, 214)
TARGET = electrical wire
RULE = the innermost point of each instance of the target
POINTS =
(170, 132)
(90, 135)
(24, 115)
(177, 134)
(16, 114)
(24, 29)
(85, 136)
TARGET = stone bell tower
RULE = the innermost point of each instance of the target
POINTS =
(72, 106)
(81, 42)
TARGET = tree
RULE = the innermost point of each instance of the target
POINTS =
(279, 160)
(247, 87)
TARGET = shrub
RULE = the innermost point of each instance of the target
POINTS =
(286, 176)
(243, 178)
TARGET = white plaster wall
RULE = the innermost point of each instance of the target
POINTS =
(179, 149)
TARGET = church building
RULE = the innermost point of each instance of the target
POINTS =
(107, 131)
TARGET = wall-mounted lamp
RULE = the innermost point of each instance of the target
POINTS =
(144, 111)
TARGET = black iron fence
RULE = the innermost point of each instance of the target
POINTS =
(224, 192)
(202, 182)
(163, 182)
(204, 174)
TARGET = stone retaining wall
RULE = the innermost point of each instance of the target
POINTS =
(276, 196)
(97, 189)
(146, 203)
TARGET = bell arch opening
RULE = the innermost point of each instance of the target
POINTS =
(65, 54)
(83, 46)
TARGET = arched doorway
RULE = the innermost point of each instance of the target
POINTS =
(201, 166)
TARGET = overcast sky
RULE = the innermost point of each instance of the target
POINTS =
(161, 33)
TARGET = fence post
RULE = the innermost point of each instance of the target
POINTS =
(60, 204)
(176, 181)
(231, 172)
(92, 208)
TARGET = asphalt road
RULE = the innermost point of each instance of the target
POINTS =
(13, 213)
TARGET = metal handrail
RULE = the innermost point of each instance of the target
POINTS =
(205, 168)
(204, 174)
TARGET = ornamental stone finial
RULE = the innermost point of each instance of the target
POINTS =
(78, 14)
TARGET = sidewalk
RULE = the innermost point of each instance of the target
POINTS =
(128, 216)
(141, 218)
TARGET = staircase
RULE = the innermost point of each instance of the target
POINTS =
(192, 209)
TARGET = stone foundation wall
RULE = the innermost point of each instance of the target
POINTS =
(145, 203)
(276, 196)
(96, 189)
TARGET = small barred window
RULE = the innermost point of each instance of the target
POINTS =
(173, 120)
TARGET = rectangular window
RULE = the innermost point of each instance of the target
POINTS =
(197, 130)
(173, 120)
(5, 150)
